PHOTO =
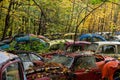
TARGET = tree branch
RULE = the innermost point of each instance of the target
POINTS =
(40, 9)
(85, 18)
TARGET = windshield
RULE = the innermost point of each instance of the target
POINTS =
(59, 46)
(62, 59)
(27, 60)
(92, 47)
(75, 48)
(85, 62)
(24, 57)
(107, 49)
(28, 57)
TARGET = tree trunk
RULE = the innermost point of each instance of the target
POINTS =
(71, 18)
(7, 21)
(40, 25)
(42, 21)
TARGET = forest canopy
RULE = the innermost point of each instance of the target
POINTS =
(58, 16)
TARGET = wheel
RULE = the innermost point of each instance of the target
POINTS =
(116, 76)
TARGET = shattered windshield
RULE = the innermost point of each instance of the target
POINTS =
(28, 57)
(75, 48)
(85, 62)
(62, 59)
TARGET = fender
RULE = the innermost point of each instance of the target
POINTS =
(109, 68)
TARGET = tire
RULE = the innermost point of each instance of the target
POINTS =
(116, 76)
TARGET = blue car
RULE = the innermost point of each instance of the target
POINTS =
(91, 37)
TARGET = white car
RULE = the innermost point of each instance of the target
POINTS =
(108, 48)
(58, 44)
(116, 38)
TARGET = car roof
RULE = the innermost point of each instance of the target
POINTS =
(91, 36)
(5, 56)
(52, 42)
(117, 36)
(108, 42)
(77, 42)
(21, 52)
(81, 53)
(71, 34)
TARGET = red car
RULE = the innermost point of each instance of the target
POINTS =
(76, 46)
(86, 66)
(97, 67)
(11, 68)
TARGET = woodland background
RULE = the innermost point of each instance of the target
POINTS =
(43, 17)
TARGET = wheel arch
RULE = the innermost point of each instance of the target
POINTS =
(114, 75)
(118, 70)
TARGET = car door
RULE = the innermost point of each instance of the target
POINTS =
(13, 71)
(85, 69)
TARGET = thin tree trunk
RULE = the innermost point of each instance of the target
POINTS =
(71, 19)
(85, 18)
(40, 25)
(7, 21)
(1, 10)
(1, 0)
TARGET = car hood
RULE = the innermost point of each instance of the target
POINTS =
(51, 70)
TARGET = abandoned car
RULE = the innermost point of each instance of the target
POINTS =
(88, 66)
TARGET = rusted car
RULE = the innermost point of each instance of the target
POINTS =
(107, 48)
(29, 59)
(11, 68)
(4, 46)
(71, 36)
(76, 46)
(91, 37)
(87, 66)
(115, 38)
(94, 66)
(58, 44)
(36, 68)
(40, 37)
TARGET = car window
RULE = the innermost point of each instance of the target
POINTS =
(27, 60)
(96, 39)
(28, 57)
(24, 57)
(85, 62)
(69, 37)
(34, 57)
(85, 46)
(74, 48)
(118, 49)
(57, 46)
(92, 47)
(65, 60)
(54, 47)
(107, 49)
(87, 39)
(11, 72)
